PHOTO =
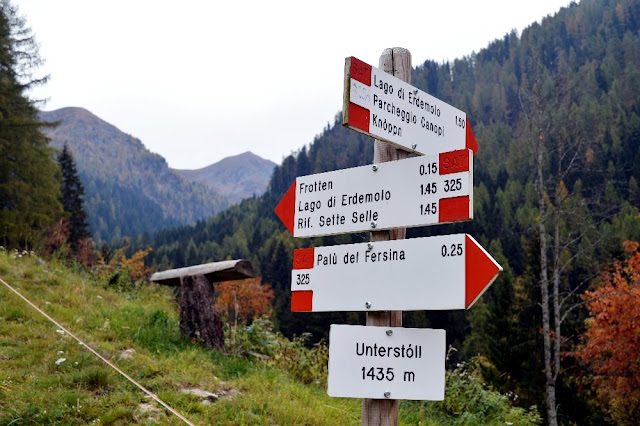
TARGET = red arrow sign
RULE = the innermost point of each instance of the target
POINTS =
(426, 190)
(387, 108)
(432, 273)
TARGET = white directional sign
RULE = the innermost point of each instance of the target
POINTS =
(386, 363)
(385, 107)
(425, 190)
(442, 272)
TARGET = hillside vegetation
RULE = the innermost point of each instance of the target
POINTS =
(556, 112)
(129, 190)
(46, 377)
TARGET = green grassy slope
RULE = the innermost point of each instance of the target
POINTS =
(47, 377)
(36, 387)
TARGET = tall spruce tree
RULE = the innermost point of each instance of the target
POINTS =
(72, 198)
(28, 174)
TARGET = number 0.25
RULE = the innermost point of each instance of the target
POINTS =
(452, 250)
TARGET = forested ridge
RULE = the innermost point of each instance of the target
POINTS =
(556, 112)
(129, 190)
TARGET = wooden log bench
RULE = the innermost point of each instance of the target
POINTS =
(199, 320)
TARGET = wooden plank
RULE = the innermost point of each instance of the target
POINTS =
(227, 270)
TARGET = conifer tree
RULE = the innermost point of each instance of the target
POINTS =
(28, 182)
(72, 198)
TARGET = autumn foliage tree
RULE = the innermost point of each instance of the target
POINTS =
(135, 264)
(611, 347)
(125, 271)
(243, 300)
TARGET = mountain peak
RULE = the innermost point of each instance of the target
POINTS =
(129, 190)
(76, 114)
(76, 121)
(238, 176)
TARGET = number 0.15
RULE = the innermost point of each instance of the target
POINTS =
(428, 169)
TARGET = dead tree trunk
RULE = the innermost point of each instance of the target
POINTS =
(550, 378)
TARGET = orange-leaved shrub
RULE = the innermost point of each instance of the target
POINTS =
(611, 346)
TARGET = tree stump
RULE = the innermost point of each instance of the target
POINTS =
(199, 320)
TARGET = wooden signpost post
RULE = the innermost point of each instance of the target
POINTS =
(383, 362)
(396, 62)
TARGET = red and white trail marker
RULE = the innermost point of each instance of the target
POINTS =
(387, 108)
(419, 191)
(432, 273)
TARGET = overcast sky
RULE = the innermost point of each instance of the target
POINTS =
(200, 80)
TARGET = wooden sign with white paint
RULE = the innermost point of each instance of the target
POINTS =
(387, 108)
(426, 190)
(432, 273)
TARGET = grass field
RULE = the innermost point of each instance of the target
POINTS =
(47, 377)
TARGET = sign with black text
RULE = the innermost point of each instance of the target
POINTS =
(426, 190)
(431, 273)
(387, 108)
(386, 362)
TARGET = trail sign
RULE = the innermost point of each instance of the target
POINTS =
(432, 273)
(387, 108)
(386, 363)
(419, 191)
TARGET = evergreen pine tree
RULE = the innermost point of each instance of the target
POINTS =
(28, 182)
(72, 198)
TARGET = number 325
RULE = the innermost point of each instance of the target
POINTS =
(302, 279)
